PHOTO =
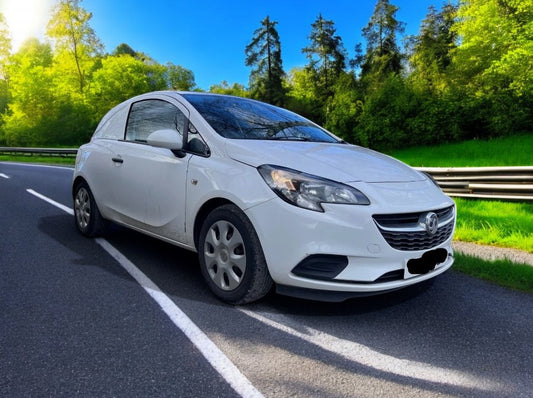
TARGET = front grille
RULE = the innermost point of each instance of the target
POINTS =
(406, 231)
(410, 241)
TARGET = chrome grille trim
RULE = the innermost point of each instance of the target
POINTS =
(406, 231)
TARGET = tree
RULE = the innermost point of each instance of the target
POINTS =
(301, 95)
(120, 78)
(180, 78)
(496, 50)
(32, 99)
(263, 54)
(5, 45)
(383, 56)
(493, 62)
(432, 48)
(326, 55)
(224, 88)
(345, 107)
(76, 44)
(124, 49)
(5, 51)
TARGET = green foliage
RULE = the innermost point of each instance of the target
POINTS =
(56, 160)
(76, 43)
(40, 114)
(385, 117)
(466, 75)
(235, 89)
(345, 107)
(461, 83)
(504, 151)
(383, 56)
(496, 51)
(5, 50)
(431, 53)
(263, 54)
(119, 78)
(31, 89)
(492, 64)
(495, 223)
(301, 96)
(327, 57)
(5, 41)
(125, 49)
(57, 94)
(180, 78)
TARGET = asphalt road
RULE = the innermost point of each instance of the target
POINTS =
(75, 322)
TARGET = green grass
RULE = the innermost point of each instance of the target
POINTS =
(504, 224)
(60, 160)
(501, 272)
(508, 151)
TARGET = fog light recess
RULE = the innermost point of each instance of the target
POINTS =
(321, 266)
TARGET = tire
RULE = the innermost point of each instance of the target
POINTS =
(231, 258)
(87, 217)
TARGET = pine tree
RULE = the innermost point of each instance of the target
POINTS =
(263, 54)
(383, 56)
(433, 47)
(326, 55)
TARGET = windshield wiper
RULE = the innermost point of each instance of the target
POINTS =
(288, 138)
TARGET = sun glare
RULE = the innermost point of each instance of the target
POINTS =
(26, 18)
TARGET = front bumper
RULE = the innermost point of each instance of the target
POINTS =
(289, 235)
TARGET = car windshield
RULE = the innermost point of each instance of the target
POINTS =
(241, 118)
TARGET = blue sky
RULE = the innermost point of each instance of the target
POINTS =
(209, 37)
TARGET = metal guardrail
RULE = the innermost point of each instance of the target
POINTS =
(500, 183)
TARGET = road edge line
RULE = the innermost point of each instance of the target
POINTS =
(210, 351)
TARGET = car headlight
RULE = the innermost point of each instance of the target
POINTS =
(308, 191)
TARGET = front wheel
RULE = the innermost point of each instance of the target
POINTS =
(231, 258)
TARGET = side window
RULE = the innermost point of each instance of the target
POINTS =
(195, 143)
(151, 115)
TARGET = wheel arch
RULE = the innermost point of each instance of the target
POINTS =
(203, 212)
(77, 180)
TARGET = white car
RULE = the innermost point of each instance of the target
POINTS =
(266, 197)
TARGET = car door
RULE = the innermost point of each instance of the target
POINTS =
(149, 183)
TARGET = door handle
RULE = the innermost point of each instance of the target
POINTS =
(117, 160)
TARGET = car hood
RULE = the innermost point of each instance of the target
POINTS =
(339, 162)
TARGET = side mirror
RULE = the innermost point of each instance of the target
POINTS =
(166, 138)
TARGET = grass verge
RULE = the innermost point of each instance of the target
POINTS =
(504, 224)
(508, 151)
(501, 272)
(61, 160)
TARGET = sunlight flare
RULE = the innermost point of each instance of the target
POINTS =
(26, 18)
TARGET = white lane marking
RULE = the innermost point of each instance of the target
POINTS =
(4, 176)
(363, 355)
(209, 350)
(51, 201)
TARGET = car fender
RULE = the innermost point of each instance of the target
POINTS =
(223, 179)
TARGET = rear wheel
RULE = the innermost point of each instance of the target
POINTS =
(231, 257)
(86, 214)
